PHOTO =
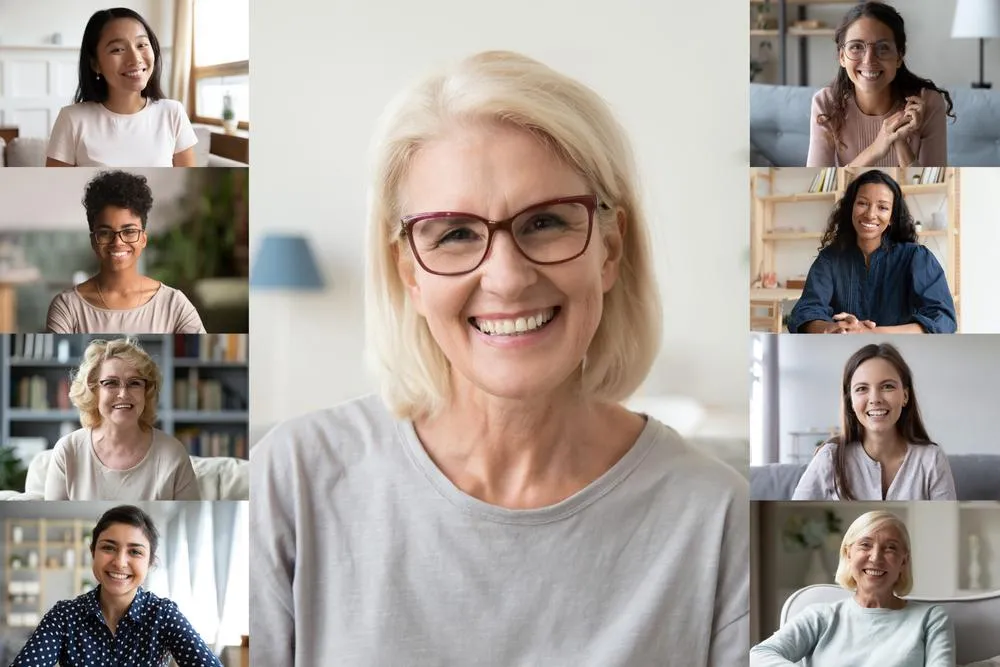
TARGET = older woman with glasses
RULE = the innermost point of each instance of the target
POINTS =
(512, 306)
(876, 626)
(119, 299)
(118, 454)
(877, 113)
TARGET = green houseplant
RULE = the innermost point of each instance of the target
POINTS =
(205, 247)
(228, 114)
(12, 471)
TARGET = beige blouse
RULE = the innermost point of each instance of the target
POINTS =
(169, 311)
(75, 472)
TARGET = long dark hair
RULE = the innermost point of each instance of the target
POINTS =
(905, 84)
(910, 426)
(840, 232)
(92, 88)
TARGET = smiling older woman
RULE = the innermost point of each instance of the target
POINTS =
(875, 627)
(118, 454)
(496, 505)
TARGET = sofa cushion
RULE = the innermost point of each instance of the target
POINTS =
(975, 476)
(219, 478)
(779, 126)
(26, 152)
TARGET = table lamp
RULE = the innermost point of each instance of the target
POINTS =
(285, 262)
(978, 19)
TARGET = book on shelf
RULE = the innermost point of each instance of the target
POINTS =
(33, 393)
(194, 393)
(230, 348)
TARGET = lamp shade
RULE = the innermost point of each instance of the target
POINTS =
(285, 261)
(978, 19)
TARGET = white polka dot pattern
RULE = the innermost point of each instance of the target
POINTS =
(73, 634)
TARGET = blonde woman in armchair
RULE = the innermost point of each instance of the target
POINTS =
(876, 627)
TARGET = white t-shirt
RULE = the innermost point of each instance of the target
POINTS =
(88, 135)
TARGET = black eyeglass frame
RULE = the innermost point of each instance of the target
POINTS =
(591, 202)
(117, 233)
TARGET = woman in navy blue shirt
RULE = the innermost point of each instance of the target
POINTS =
(871, 275)
(117, 623)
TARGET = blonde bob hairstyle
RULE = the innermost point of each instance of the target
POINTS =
(866, 525)
(570, 119)
(84, 388)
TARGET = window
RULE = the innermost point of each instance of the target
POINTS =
(221, 63)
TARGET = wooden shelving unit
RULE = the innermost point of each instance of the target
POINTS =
(766, 303)
(46, 560)
(787, 13)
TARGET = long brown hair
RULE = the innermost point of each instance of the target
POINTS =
(910, 426)
(905, 84)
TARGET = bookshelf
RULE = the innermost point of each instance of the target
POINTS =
(45, 561)
(776, 20)
(774, 192)
(203, 400)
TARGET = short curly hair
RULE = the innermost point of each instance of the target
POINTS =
(119, 189)
(83, 391)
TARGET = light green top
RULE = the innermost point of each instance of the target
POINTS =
(845, 633)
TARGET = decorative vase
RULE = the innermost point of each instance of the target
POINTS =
(816, 572)
(229, 125)
(974, 571)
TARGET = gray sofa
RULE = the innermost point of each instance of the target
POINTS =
(977, 477)
(779, 126)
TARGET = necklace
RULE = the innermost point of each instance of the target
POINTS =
(105, 303)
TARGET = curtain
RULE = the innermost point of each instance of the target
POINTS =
(183, 54)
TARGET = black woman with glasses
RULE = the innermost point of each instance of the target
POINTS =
(496, 504)
(876, 112)
(118, 454)
(119, 299)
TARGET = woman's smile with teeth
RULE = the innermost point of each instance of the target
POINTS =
(118, 576)
(874, 573)
(878, 413)
(869, 75)
(514, 326)
(122, 406)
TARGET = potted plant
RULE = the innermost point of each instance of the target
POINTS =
(812, 534)
(204, 252)
(16, 562)
(12, 471)
(228, 115)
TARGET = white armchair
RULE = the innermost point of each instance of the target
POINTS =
(976, 619)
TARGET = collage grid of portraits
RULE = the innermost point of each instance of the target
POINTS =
(527, 389)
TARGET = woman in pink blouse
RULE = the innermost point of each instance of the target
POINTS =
(877, 113)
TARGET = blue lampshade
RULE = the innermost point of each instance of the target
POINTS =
(285, 261)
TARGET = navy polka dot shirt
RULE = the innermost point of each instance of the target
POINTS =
(73, 634)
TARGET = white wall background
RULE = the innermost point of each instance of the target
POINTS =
(33, 23)
(932, 53)
(680, 94)
(52, 198)
(956, 379)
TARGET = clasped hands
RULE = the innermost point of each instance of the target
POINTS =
(846, 323)
(902, 124)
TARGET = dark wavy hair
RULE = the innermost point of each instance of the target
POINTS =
(130, 515)
(121, 190)
(840, 233)
(92, 88)
(910, 426)
(905, 84)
